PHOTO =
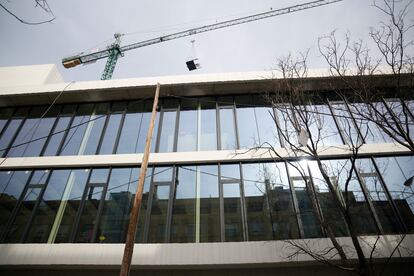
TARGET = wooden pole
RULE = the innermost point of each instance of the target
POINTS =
(133, 221)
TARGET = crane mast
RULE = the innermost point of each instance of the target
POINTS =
(114, 51)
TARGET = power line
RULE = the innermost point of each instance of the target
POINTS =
(24, 21)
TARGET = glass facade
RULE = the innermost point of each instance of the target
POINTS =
(220, 201)
(208, 203)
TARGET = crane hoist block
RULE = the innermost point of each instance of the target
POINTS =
(192, 65)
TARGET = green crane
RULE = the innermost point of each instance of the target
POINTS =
(115, 50)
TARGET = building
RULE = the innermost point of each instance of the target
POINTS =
(211, 204)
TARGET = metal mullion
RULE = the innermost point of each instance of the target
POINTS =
(16, 208)
(371, 207)
(243, 206)
(121, 126)
(218, 131)
(68, 128)
(176, 127)
(102, 136)
(149, 207)
(340, 130)
(51, 132)
(396, 212)
(295, 202)
(158, 138)
(32, 215)
(162, 183)
(170, 204)
(236, 130)
(74, 231)
(222, 232)
(100, 207)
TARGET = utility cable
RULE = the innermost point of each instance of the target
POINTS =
(24, 21)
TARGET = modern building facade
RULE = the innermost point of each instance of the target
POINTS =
(213, 198)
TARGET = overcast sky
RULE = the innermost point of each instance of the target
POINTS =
(81, 25)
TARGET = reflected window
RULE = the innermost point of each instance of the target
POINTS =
(187, 129)
(112, 127)
(208, 125)
(94, 129)
(228, 139)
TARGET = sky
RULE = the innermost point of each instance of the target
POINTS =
(81, 25)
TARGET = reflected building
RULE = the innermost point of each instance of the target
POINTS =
(69, 172)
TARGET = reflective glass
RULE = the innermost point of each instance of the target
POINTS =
(187, 129)
(233, 228)
(144, 205)
(286, 121)
(209, 204)
(346, 124)
(329, 209)
(132, 129)
(8, 134)
(11, 185)
(377, 195)
(322, 125)
(246, 123)
(63, 122)
(64, 222)
(111, 134)
(48, 207)
(5, 114)
(99, 176)
(207, 126)
(93, 130)
(159, 210)
(397, 172)
(74, 136)
(266, 126)
(227, 129)
(89, 215)
(166, 143)
(269, 207)
(183, 228)
(117, 205)
(401, 115)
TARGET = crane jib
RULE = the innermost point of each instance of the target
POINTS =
(85, 58)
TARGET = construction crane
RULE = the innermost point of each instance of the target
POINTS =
(115, 50)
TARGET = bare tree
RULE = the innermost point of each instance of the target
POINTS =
(385, 108)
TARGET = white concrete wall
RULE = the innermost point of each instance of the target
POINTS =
(29, 75)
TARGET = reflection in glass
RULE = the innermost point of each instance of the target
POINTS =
(75, 134)
(158, 219)
(48, 207)
(322, 126)
(208, 129)
(376, 193)
(64, 221)
(227, 129)
(8, 134)
(209, 204)
(93, 130)
(11, 186)
(117, 205)
(270, 213)
(110, 135)
(89, 216)
(396, 171)
(346, 124)
(233, 228)
(187, 130)
(166, 143)
(183, 228)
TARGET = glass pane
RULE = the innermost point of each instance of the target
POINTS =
(15, 233)
(183, 228)
(5, 114)
(111, 133)
(351, 195)
(323, 127)
(132, 128)
(8, 135)
(246, 123)
(330, 211)
(58, 133)
(227, 129)
(69, 206)
(209, 204)
(376, 193)
(289, 134)
(93, 130)
(75, 134)
(48, 207)
(159, 211)
(89, 215)
(11, 186)
(270, 213)
(230, 172)
(208, 128)
(396, 172)
(99, 176)
(166, 143)
(402, 115)
(233, 227)
(117, 205)
(187, 130)
(144, 206)
(266, 126)
(346, 124)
